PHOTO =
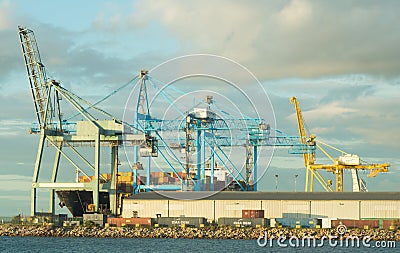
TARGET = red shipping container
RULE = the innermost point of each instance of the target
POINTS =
(391, 224)
(182, 175)
(252, 213)
(356, 223)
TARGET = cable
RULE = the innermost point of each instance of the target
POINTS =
(106, 97)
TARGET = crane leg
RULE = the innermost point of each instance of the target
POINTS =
(54, 177)
(307, 176)
(36, 172)
(339, 181)
(311, 181)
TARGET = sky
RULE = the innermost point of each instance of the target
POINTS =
(339, 58)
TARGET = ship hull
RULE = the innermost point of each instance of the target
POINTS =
(80, 202)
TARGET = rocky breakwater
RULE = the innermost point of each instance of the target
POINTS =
(193, 233)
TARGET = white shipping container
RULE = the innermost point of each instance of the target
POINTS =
(221, 175)
(272, 223)
(326, 222)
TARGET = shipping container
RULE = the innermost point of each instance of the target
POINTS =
(129, 189)
(141, 180)
(98, 219)
(219, 185)
(243, 222)
(119, 222)
(71, 223)
(129, 174)
(364, 224)
(178, 221)
(326, 223)
(391, 224)
(107, 176)
(252, 213)
(59, 219)
(125, 178)
(299, 222)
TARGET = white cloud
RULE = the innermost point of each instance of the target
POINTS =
(14, 197)
(14, 122)
(223, 27)
(274, 39)
(326, 112)
(13, 127)
(296, 13)
(5, 12)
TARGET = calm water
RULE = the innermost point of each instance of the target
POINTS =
(50, 244)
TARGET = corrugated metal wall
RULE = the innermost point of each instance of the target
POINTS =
(233, 208)
(286, 208)
(380, 209)
(144, 208)
(200, 208)
(214, 209)
(341, 209)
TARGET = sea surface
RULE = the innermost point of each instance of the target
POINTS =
(54, 244)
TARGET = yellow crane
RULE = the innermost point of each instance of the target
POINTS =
(345, 161)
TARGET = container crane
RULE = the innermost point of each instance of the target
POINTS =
(343, 162)
(91, 132)
(201, 133)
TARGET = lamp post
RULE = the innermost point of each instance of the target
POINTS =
(276, 182)
(295, 178)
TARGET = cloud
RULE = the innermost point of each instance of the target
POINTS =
(200, 26)
(275, 39)
(10, 128)
(339, 58)
(353, 112)
(12, 182)
(296, 13)
(328, 112)
(5, 12)
(13, 123)
(15, 197)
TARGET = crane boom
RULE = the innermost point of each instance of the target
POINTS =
(36, 75)
(309, 157)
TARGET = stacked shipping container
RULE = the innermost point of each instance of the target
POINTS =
(252, 213)
(125, 180)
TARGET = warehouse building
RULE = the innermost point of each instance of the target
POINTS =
(215, 205)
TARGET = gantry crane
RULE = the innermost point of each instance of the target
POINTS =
(201, 133)
(343, 162)
(57, 133)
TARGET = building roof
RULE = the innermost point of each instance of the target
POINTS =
(235, 195)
